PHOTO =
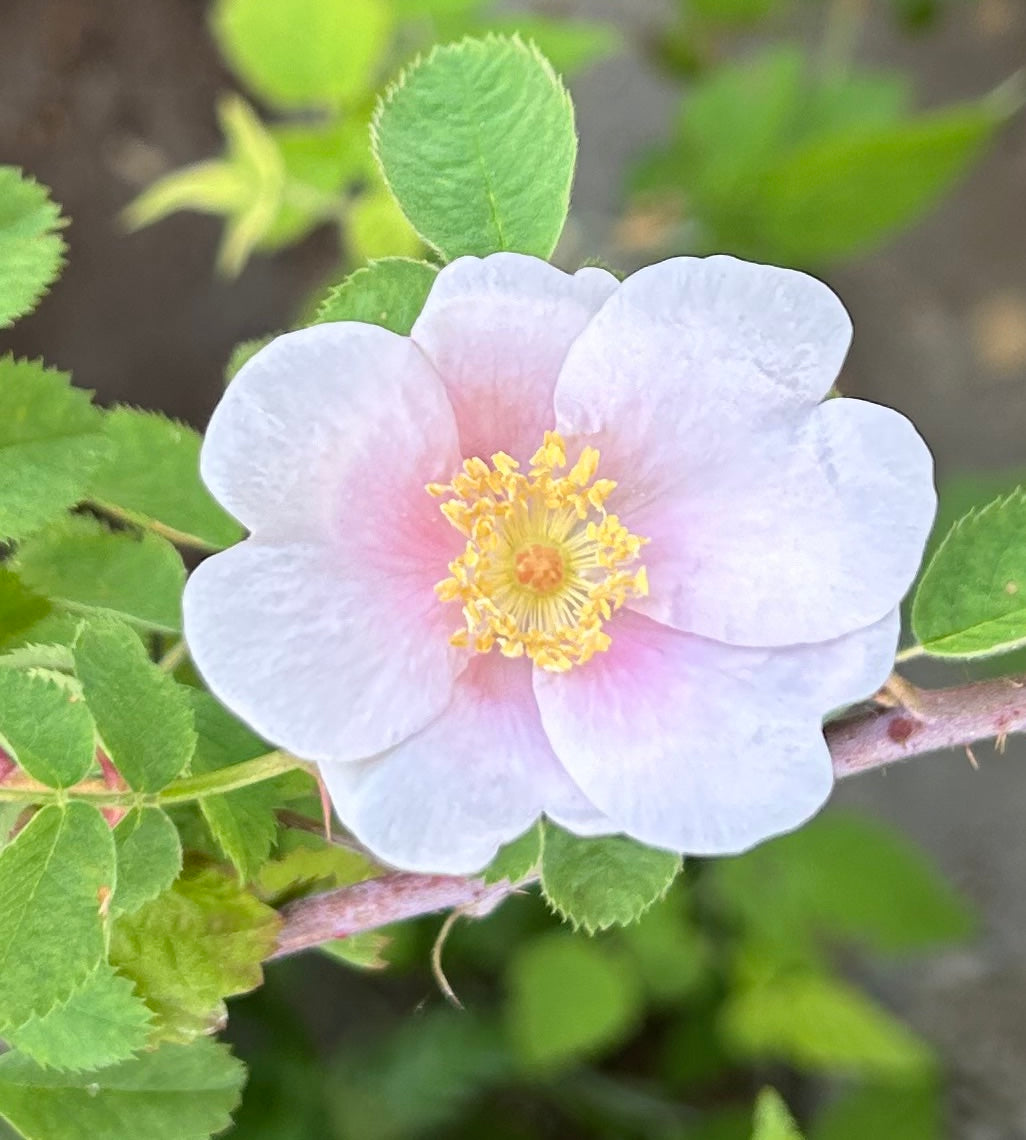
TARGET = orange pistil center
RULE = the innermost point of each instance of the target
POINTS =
(545, 564)
(538, 567)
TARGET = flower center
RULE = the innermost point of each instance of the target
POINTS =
(545, 565)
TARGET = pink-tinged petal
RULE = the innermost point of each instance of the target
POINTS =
(689, 354)
(497, 329)
(318, 656)
(445, 800)
(804, 536)
(700, 747)
(327, 427)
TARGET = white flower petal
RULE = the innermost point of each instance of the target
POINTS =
(326, 662)
(800, 536)
(445, 800)
(324, 426)
(694, 352)
(497, 329)
(700, 747)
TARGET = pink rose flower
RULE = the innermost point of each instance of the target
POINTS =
(574, 547)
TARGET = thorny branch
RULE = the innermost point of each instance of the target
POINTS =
(924, 721)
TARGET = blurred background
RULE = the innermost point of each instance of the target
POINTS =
(878, 143)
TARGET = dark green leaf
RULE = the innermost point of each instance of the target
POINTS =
(86, 568)
(390, 292)
(101, 1023)
(51, 439)
(598, 883)
(175, 1093)
(971, 600)
(152, 474)
(477, 143)
(143, 715)
(54, 878)
(31, 250)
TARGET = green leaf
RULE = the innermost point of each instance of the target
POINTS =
(31, 250)
(50, 442)
(773, 1121)
(815, 1022)
(598, 883)
(845, 876)
(900, 1112)
(302, 53)
(516, 860)
(149, 854)
(569, 45)
(42, 726)
(365, 951)
(477, 143)
(971, 601)
(83, 566)
(187, 950)
(143, 715)
(311, 863)
(101, 1023)
(377, 227)
(20, 608)
(52, 882)
(175, 1093)
(152, 474)
(569, 998)
(243, 821)
(838, 197)
(389, 293)
(246, 187)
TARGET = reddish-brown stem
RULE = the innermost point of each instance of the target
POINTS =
(7, 766)
(928, 721)
(378, 902)
(112, 779)
(925, 721)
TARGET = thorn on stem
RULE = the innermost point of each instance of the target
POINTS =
(436, 959)
(971, 757)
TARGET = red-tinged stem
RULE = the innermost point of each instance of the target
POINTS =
(925, 721)
(928, 721)
(379, 902)
(112, 779)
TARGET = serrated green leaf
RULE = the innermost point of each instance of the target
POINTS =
(85, 567)
(177, 1092)
(971, 601)
(899, 1112)
(152, 473)
(246, 187)
(20, 607)
(101, 1023)
(49, 733)
(843, 876)
(303, 53)
(53, 879)
(838, 197)
(569, 45)
(242, 821)
(389, 293)
(50, 442)
(187, 950)
(149, 854)
(598, 883)
(815, 1022)
(143, 715)
(773, 1121)
(569, 998)
(477, 143)
(31, 249)
(517, 859)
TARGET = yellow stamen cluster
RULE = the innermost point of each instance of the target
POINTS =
(545, 564)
